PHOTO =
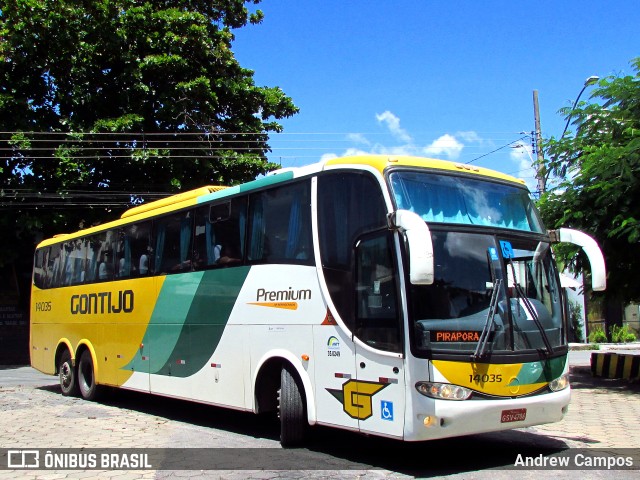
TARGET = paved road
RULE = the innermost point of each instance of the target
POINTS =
(33, 414)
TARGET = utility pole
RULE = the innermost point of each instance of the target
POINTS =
(540, 170)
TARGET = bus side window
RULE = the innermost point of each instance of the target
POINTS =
(209, 221)
(79, 258)
(103, 255)
(105, 268)
(135, 255)
(173, 235)
(55, 267)
(219, 234)
(298, 246)
(94, 245)
(123, 255)
(280, 225)
(349, 204)
(204, 239)
(67, 263)
(40, 269)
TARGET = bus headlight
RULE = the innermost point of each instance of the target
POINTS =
(559, 383)
(443, 391)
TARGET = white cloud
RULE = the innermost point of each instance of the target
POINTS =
(446, 145)
(397, 150)
(352, 152)
(358, 138)
(470, 137)
(522, 156)
(393, 124)
(328, 156)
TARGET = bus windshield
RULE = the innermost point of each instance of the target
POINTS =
(515, 296)
(439, 198)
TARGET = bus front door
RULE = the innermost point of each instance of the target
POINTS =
(379, 392)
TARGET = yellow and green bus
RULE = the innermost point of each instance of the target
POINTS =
(405, 297)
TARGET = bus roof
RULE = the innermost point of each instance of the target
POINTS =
(382, 162)
(168, 201)
(140, 212)
(208, 193)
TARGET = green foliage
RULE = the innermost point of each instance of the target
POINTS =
(126, 96)
(618, 335)
(595, 178)
(622, 334)
(575, 319)
(597, 335)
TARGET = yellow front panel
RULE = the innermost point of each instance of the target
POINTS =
(502, 379)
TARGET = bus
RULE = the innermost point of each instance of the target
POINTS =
(403, 297)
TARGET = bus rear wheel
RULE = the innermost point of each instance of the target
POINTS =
(86, 377)
(291, 409)
(67, 375)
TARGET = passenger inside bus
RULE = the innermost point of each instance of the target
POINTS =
(143, 265)
(229, 254)
(105, 270)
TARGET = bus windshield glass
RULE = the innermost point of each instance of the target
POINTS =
(439, 198)
(514, 296)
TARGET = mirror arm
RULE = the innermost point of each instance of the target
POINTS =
(592, 250)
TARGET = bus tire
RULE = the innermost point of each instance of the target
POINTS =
(67, 375)
(291, 408)
(86, 377)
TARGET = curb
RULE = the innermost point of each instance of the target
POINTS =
(615, 365)
(604, 347)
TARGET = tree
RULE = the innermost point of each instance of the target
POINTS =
(596, 173)
(109, 98)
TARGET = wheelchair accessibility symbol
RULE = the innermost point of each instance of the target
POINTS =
(507, 249)
(386, 410)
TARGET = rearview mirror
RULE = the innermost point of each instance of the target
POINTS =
(591, 248)
(421, 266)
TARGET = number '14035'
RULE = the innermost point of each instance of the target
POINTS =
(486, 378)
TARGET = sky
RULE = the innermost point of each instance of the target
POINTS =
(443, 79)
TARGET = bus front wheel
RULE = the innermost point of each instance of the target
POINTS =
(86, 377)
(67, 375)
(291, 409)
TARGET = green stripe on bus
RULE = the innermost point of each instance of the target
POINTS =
(227, 192)
(266, 181)
(205, 322)
(166, 321)
(188, 320)
(541, 372)
(247, 187)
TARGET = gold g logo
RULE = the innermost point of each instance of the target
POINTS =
(356, 397)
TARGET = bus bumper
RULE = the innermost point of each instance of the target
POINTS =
(433, 419)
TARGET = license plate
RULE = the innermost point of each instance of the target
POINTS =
(515, 415)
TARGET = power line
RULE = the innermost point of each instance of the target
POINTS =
(205, 146)
(496, 150)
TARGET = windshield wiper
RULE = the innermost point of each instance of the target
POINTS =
(486, 330)
(530, 308)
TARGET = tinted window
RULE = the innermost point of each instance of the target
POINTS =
(219, 234)
(349, 205)
(133, 250)
(40, 267)
(377, 320)
(172, 235)
(280, 225)
(439, 198)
